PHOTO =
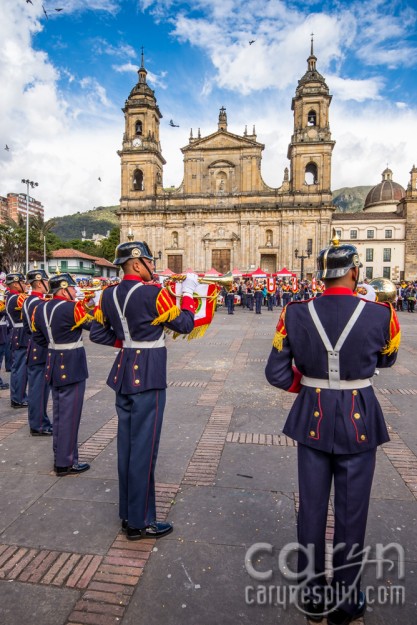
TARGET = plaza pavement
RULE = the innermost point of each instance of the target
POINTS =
(226, 479)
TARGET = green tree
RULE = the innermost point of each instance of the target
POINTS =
(39, 229)
(108, 246)
(13, 245)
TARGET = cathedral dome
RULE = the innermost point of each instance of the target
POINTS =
(385, 195)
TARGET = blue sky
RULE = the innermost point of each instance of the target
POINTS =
(65, 80)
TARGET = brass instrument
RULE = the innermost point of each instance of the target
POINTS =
(89, 289)
(225, 281)
(385, 290)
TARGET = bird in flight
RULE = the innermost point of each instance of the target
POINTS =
(171, 123)
(252, 41)
(29, 2)
(7, 148)
(58, 10)
(99, 178)
(46, 14)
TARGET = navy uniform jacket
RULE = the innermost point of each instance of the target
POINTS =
(4, 337)
(334, 421)
(14, 304)
(149, 309)
(63, 366)
(36, 355)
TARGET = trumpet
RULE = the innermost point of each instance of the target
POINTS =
(225, 281)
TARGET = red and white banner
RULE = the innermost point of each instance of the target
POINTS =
(314, 284)
(205, 299)
(271, 285)
(294, 284)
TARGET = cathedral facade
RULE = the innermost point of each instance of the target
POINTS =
(223, 215)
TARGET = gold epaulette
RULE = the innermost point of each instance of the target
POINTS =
(80, 315)
(394, 334)
(166, 308)
(280, 333)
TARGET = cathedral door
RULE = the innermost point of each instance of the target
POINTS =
(175, 263)
(269, 262)
(220, 260)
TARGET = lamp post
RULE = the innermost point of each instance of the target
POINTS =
(157, 257)
(28, 183)
(302, 257)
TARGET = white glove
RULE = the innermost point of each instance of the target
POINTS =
(189, 285)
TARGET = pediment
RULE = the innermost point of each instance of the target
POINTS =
(221, 140)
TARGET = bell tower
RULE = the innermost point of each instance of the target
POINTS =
(141, 158)
(310, 150)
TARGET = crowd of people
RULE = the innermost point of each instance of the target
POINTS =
(258, 294)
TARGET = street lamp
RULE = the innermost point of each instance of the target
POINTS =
(157, 257)
(302, 257)
(28, 183)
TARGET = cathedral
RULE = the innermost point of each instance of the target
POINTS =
(223, 215)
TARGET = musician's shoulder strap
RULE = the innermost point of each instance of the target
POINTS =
(122, 313)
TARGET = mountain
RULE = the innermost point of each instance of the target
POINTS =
(95, 221)
(350, 199)
(103, 218)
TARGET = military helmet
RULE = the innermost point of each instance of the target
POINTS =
(61, 281)
(132, 249)
(14, 277)
(336, 260)
(36, 275)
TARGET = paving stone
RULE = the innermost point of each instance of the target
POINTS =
(23, 604)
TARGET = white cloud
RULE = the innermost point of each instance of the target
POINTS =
(50, 134)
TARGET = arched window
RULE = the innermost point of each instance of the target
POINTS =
(138, 180)
(312, 118)
(269, 240)
(174, 239)
(138, 128)
(311, 174)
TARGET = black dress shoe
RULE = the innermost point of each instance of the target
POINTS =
(76, 468)
(314, 610)
(4, 386)
(45, 432)
(16, 404)
(341, 617)
(155, 530)
(124, 525)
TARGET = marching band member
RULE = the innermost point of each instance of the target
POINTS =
(4, 337)
(57, 325)
(336, 341)
(132, 315)
(38, 387)
(14, 303)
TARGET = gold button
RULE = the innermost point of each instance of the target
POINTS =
(357, 415)
(115, 378)
(35, 358)
(354, 392)
(62, 366)
(63, 376)
(118, 366)
(138, 351)
(61, 354)
(137, 381)
(363, 437)
(34, 349)
(312, 433)
(48, 367)
(317, 414)
(136, 367)
(318, 390)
